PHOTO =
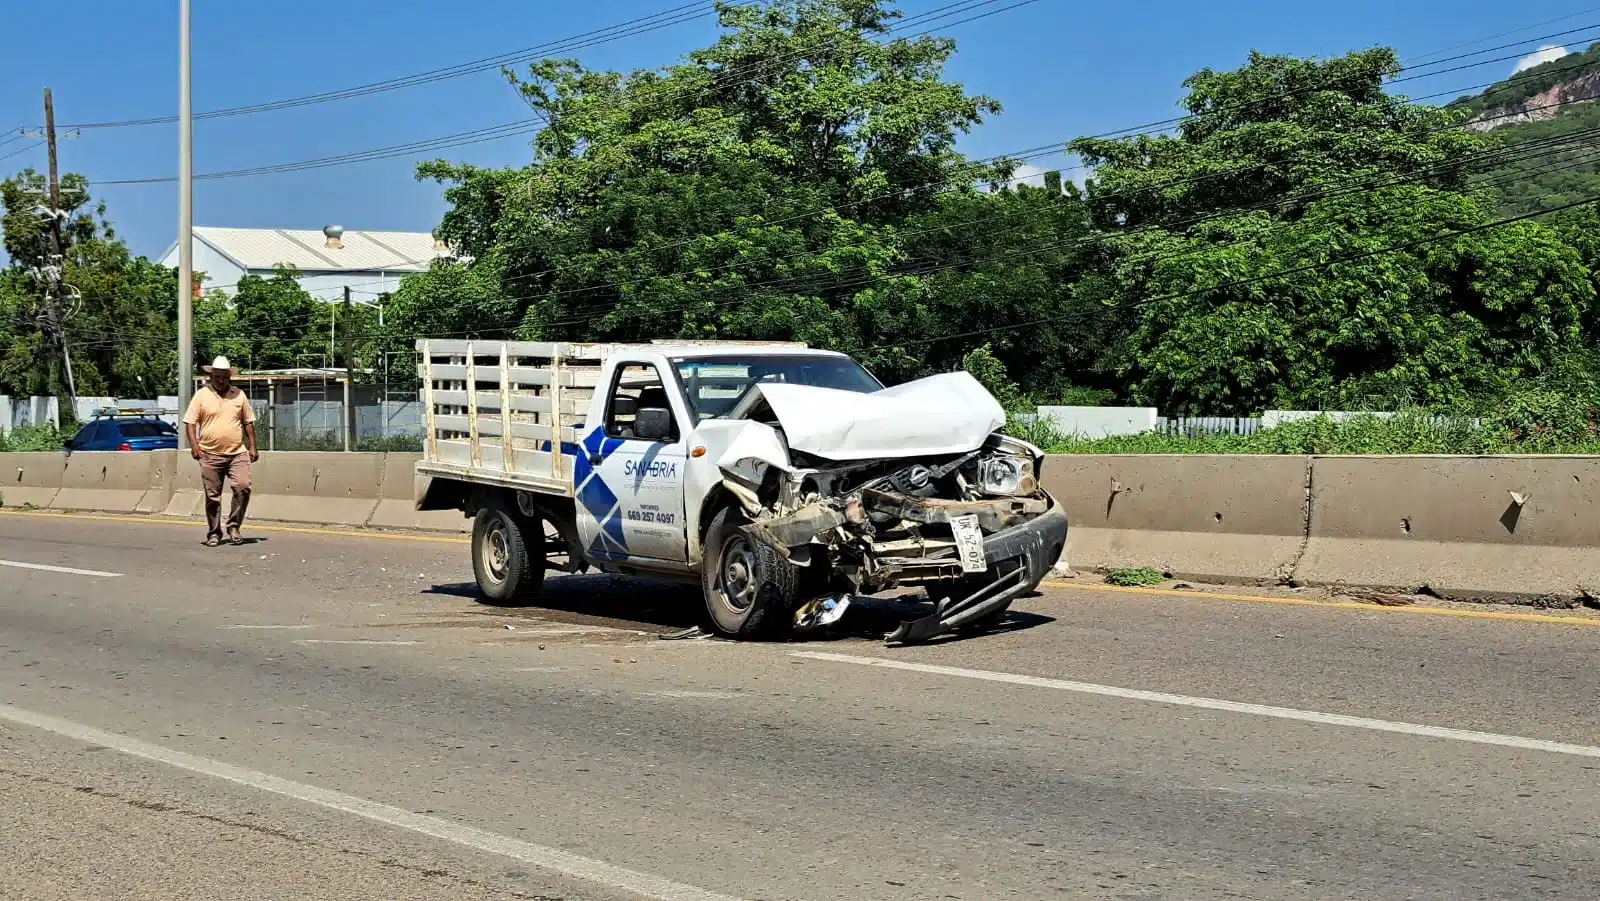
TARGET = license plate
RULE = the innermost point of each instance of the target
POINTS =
(969, 543)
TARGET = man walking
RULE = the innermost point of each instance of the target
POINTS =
(222, 435)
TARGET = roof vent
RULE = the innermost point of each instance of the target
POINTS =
(334, 235)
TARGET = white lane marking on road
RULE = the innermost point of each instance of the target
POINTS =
(60, 569)
(349, 641)
(298, 626)
(1158, 697)
(553, 860)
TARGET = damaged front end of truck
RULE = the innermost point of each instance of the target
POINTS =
(911, 486)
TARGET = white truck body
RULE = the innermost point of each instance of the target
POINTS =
(629, 452)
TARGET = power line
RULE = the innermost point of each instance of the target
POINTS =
(1088, 240)
(1565, 18)
(1488, 156)
(460, 139)
(1353, 186)
(629, 28)
(361, 156)
(1388, 249)
(1484, 155)
(515, 128)
(1294, 270)
(977, 167)
(22, 150)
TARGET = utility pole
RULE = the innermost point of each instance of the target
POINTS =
(349, 375)
(56, 266)
(185, 223)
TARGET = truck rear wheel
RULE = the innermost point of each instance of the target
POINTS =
(750, 591)
(507, 556)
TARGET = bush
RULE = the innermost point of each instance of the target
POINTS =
(1529, 422)
(31, 438)
(1138, 577)
(391, 444)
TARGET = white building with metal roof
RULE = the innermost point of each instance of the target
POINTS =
(371, 263)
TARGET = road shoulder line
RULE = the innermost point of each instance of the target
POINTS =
(71, 571)
(552, 860)
(1282, 713)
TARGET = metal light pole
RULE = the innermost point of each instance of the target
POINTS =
(185, 223)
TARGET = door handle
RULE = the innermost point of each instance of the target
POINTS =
(596, 459)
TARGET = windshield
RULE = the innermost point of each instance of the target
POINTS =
(714, 384)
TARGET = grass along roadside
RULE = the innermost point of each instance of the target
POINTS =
(1534, 425)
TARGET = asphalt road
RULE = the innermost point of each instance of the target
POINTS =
(316, 716)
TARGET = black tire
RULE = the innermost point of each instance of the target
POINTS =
(507, 556)
(750, 592)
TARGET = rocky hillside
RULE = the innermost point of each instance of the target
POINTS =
(1549, 104)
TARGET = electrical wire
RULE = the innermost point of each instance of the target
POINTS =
(360, 156)
(1504, 34)
(1495, 156)
(497, 132)
(629, 28)
(975, 168)
(1293, 270)
(22, 150)
(1381, 251)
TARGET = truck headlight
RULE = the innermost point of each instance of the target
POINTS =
(1006, 476)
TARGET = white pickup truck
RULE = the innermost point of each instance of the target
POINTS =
(784, 480)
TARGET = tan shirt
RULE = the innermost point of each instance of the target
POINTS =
(220, 420)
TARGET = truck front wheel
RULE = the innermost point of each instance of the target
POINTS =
(750, 591)
(507, 556)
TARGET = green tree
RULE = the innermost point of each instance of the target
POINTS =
(756, 190)
(118, 311)
(1287, 164)
(268, 323)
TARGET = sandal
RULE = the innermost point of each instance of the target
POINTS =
(236, 539)
(213, 540)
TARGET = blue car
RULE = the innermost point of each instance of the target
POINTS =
(124, 432)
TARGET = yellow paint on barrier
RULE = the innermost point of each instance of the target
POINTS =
(1547, 618)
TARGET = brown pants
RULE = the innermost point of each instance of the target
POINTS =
(213, 467)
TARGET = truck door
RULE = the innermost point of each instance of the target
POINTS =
(629, 473)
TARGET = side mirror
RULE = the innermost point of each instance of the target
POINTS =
(653, 424)
(69, 444)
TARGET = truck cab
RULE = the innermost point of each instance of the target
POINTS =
(785, 480)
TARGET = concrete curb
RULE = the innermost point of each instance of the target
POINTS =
(1210, 518)
(30, 479)
(1466, 528)
(397, 505)
(110, 481)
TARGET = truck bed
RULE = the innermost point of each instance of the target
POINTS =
(506, 413)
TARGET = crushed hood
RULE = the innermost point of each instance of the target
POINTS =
(943, 414)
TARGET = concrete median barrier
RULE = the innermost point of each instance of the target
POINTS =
(1471, 528)
(112, 481)
(30, 480)
(397, 508)
(1215, 518)
(188, 494)
(336, 488)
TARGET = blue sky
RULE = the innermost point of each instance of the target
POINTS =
(1061, 70)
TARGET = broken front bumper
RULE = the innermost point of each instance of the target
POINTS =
(1018, 558)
